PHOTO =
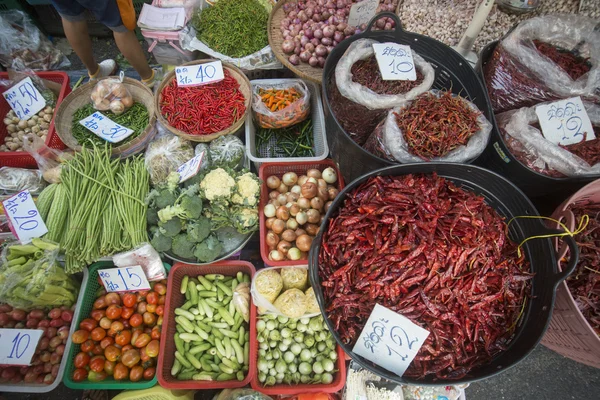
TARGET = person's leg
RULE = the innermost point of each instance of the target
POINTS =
(132, 50)
(79, 38)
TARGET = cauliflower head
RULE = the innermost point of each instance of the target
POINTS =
(217, 184)
(247, 190)
(245, 220)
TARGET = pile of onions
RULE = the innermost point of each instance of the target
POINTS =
(312, 28)
(111, 94)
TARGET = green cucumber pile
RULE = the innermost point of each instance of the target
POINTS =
(212, 338)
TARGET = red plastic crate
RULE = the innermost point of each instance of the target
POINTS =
(176, 299)
(278, 169)
(22, 159)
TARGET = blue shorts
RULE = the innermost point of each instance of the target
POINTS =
(106, 12)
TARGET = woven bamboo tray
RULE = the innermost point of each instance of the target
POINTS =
(244, 88)
(81, 96)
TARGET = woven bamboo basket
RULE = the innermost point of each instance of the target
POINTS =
(81, 96)
(244, 88)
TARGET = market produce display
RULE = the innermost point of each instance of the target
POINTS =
(17, 128)
(120, 338)
(49, 352)
(212, 338)
(433, 252)
(294, 141)
(203, 110)
(235, 28)
(294, 211)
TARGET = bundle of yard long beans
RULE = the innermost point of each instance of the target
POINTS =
(436, 254)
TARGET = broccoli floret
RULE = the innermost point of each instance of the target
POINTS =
(209, 249)
(170, 212)
(192, 206)
(152, 216)
(182, 247)
(247, 188)
(161, 242)
(218, 213)
(198, 230)
(170, 228)
(161, 198)
(245, 220)
(153, 230)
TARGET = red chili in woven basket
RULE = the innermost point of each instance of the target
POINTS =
(436, 254)
(203, 110)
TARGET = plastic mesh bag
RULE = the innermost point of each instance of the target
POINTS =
(387, 140)
(165, 154)
(111, 94)
(526, 142)
(22, 45)
(523, 69)
(270, 112)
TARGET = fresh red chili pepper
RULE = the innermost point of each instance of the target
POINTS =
(439, 255)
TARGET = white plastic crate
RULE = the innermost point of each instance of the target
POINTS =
(321, 150)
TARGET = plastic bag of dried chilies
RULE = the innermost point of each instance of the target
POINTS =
(436, 126)
(360, 98)
(521, 132)
(545, 58)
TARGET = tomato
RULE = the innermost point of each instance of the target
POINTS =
(98, 334)
(97, 364)
(115, 328)
(81, 360)
(152, 298)
(142, 340)
(160, 288)
(143, 355)
(149, 373)
(155, 334)
(123, 338)
(88, 324)
(112, 353)
(100, 303)
(130, 357)
(136, 373)
(121, 372)
(129, 300)
(107, 341)
(149, 319)
(113, 298)
(151, 308)
(109, 367)
(80, 374)
(160, 310)
(126, 347)
(98, 314)
(113, 311)
(162, 300)
(141, 307)
(97, 349)
(152, 348)
(105, 323)
(126, 324)
(80, 336)
(87, 346)
(159, 321)
(136, 320)
(127, 312)
(96, 376)
(148, 330)
(150, 362)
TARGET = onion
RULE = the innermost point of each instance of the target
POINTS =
(291, 224)
(282, 213)
(338, 36)
(380, 23)
(302, 16)
(388, 26)
(290, 178)
(287, 46)
(278, 226)
(341, 26)
(297, 51)
(349, 31)
(305, 56)
(269, 222)
(309, 12)
(326, 41)
(321, 50)
(308, 33)
(304, 204)
(283, 246)
(286, 22)
(318, 33)
(272, 239)
(294, 254)
(269, 210)
(273, 182)
(313, 61)
(304, 40)
(309, 47)
(313, 215)
(303, 242)
(296, 189)
(328, 31)
(301, 217)
(321, 61)
(288, 235)
(282, 189)
(275, 256)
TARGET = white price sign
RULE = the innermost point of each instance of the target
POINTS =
(17, 346)
(25, 99)
(201, 74)
(190, 168)
(390, 340)
(124, 279)
(565, 121)
(24, 218)
(361, 13)
(395, 62)
(104, 127)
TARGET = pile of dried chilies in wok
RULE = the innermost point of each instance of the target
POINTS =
(203, 110)
(584, 283)
(433, 252)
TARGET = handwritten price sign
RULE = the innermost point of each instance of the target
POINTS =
(17, 346)
(25, 99)
(196, 75)
(124, 279)
(105, 128)
(24, 218)
(395, 62)
(361, 13)
(565, 121)
(190, 168)
(390, 340)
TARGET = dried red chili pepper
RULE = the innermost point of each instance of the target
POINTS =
(366, 73)
(573, 65)
(435, 253)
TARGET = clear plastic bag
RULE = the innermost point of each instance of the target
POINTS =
(527, 143)
(228, 151)
(519, 75)
(146, 257)
(49, 160)
(15, 180)
(387, 140)
(111, 94)
(22, 45)
(240, 394)
(294, 113)
(165, 154)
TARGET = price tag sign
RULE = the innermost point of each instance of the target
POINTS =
(395, 62)
(201, 74)
(390, 340)
(17, 346)
(24, 218)
(104, 127)
(565, 121)
(25, 99)
(124, 279)
(190, 168)
(361, 13)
